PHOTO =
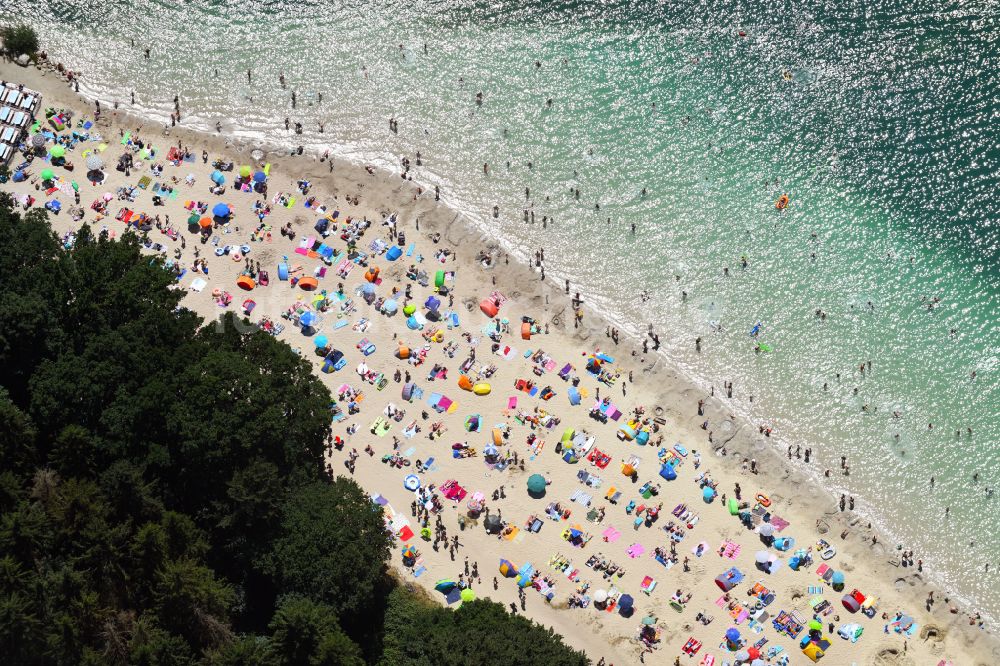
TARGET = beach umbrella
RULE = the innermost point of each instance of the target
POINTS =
(57, 151)
(708, 493)
(815, 625)
(507, 569)
(320, 341)
(837, 578)
(758, 662)
(763, 557)
(732, 634)
(468, 595)
(409, 309)
(742, 655)
(220, 210)
(107, 196)
(600, 596)
(38, 141)
(368, 288)
(144, 153)
(48, 174)
(766, 530)
(753, 652)
(489, 451)
(259, 177)
(18, 176)
(205, 222)
(446, 585)
(94, 163)
(625, 603)
(193, 218)
(390, 306)
(493, 525)
(217, 177)
(536, 484)
(245, 171)
(649, 620)
(307, 319)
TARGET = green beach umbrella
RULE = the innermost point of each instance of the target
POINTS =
(409, 309)
(47, 174)
(245, 171)
(536, 484)
(144, 153)
(193, 218)
(57, 151)
(815, 625)
(467, 595)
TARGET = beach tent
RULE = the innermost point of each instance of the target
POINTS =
(536, 485)
(668, 472)
(432, 303)
(507, 569)
(218, 178)
(445, 586)
(642, 437)
(408, 390)
(813, 651)
(850, 603)
(626, 605)
(394, 253)
(784, 543)
(574, 395)
(489, 307)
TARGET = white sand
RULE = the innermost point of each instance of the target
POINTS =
(810, 511)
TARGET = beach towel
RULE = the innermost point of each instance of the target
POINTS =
(635, 550)
(611, 535)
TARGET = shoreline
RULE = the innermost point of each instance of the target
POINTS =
(679, 398)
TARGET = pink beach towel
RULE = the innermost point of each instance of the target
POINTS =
(512, 402)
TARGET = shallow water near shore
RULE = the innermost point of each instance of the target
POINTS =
(876, 124)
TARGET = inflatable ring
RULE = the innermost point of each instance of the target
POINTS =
(764, 500)
(411, 482)
(236, 256)
(828, 553)
(555, 320)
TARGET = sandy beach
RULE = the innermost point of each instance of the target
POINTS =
(530, 363)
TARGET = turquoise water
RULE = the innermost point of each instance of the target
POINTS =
(879, 124)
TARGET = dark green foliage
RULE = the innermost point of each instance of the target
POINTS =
(162, 494)
(19, 39)
(332, 546)
(479, 632)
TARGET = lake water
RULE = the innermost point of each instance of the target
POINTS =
(879, 123)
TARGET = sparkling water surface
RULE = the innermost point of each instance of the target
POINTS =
(879, 122)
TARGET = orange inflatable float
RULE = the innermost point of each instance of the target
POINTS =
(782, 202)
(464, 383)
(372, 274)
(403, 352)
(525, 331)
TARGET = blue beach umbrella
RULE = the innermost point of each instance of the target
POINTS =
(390, 306)
(708, 493)
(307, 319)
(320, 341)
(220, 210)
(259, 177)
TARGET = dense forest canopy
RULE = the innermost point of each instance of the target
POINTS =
(163, 498)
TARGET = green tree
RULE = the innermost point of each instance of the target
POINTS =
(306, 632)
(20, 39)
(333, 546)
